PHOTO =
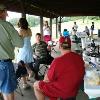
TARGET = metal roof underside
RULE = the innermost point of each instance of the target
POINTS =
(55, 8)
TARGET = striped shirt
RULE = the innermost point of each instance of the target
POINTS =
(40, 50)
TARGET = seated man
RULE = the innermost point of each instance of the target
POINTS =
(64, 77)
(93, 46)
(40, 54)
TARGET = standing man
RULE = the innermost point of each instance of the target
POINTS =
(9, 38)
(75, 26)
(64, 77)
(92, 29)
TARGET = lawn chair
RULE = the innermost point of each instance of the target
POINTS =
(18, 86)
(19, 72)
(43, 69)
(43, 65)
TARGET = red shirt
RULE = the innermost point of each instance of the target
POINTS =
(65, 74)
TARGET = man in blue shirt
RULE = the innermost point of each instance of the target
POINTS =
(65, 33)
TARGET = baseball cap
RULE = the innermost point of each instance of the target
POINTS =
(2, 7)
(65, 40)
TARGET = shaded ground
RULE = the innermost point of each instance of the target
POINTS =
(28, 94)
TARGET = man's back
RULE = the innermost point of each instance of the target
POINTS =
(8, 40)
(69, 72)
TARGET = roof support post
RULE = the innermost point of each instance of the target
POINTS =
(59, 26)
(23, 14)
(22, 4)
(41, 26)
(60, 23)
(51, 26)
(56, 28)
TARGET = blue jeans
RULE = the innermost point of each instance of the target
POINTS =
(8, 82)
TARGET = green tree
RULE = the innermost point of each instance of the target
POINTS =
(14, 21)
(33, 21)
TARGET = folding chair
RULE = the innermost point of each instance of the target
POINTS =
(18, 76)
(45, 65)
(19, 72)
(42, 69)
(18, 86)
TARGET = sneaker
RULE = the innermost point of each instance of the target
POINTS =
(26, 86)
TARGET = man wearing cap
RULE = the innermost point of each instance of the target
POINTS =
(64, 76)
(9, 39)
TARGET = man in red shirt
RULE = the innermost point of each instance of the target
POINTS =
(64, 76)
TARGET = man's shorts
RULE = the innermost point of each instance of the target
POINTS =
(8, 82)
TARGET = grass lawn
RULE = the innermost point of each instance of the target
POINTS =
(68, 25)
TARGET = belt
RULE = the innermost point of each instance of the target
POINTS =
(6, 60)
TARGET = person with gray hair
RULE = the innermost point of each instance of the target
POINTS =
(9, 39)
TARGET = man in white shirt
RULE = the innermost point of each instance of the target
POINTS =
(75, 26)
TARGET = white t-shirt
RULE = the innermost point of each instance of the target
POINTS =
(46, 31)
(75, 27)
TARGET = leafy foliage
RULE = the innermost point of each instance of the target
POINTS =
(33, 21)
(14, 21)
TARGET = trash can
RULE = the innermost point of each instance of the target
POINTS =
(98, 32)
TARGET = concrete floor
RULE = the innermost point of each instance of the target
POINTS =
(28, 94)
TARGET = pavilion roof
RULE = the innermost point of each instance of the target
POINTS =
(55, 8)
